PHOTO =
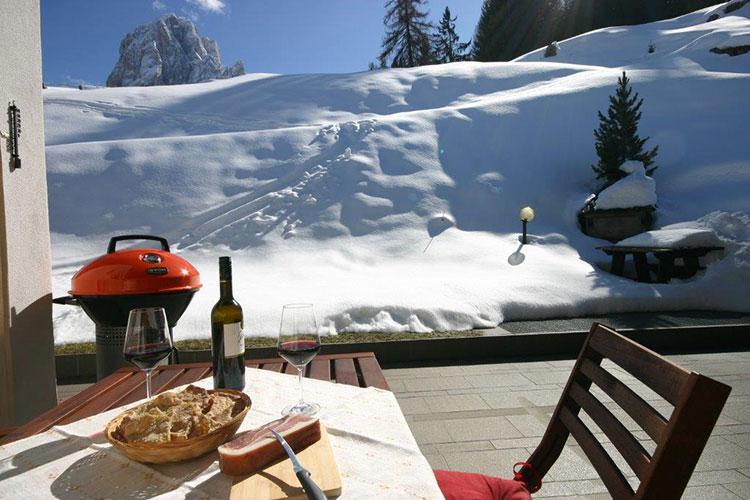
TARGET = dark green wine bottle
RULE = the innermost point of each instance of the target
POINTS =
(227, 339)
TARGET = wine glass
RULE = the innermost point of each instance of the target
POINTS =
(299, 342)
(147, 340)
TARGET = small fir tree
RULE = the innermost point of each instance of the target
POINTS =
(407, 38)
(446, 43)
(617, 139)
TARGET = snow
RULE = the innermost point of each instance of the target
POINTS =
(390, 199)
(673, 237)
(635, 190)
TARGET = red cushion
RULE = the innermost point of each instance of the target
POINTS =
(468, 486)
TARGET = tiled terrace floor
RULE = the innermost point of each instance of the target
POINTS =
(485, 418)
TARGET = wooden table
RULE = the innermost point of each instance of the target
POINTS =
(666, 268)
(127, 385)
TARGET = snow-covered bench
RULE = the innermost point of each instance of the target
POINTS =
(666, 245)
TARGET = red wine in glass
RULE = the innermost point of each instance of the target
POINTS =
(299, 352)
(299, 342)
(147, 340)
(147, 356)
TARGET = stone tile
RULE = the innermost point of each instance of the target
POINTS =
(484, 428)
(740, 489)
(421, 372)
(505, 399)
(488, 369)
(435, 383)
(721, 454)
(396, 385)
(461, 402)
(429, 449)
(550, 376)
(572, 489)
(411, 406)
(704, 478)
(436, 461)
(497, 380)
(594, 496)
(722, 430)
(505, 389)
(464, 446)
(528, 425)
(491, 462)
(714, 492)
(420, 394)
(572, 465)
(428, 432)
(737, 410)
(739, 439)
(523, 442)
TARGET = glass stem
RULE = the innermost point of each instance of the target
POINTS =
(301, 372)
(148, 384)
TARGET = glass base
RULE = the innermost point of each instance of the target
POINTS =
(308, 409)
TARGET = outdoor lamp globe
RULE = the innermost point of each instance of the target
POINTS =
(527, 214)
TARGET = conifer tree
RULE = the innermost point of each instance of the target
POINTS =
(617, 139)
(446, 44)
(407, 38)
(485, 46)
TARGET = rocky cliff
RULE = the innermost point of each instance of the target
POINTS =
(168, 51)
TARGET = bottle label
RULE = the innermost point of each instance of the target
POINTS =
(234, 341)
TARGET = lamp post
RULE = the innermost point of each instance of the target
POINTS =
(526, 215)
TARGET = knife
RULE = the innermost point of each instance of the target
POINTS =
(311, 489)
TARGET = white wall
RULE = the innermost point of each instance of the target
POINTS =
(27, 367)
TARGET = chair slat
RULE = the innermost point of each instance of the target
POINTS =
(273, 367)
(639, 410)
(290, 369)
(664, 377)
(689, 428)
(107, 400)
(190, 375)
(320, 369)
(629, 447)
(345, 372)
(55, 415)
(613, 479)
(372, 375)
(159, 380)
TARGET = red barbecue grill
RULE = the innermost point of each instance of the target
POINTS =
(113, 284)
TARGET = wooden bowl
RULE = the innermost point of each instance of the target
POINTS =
(177, 451)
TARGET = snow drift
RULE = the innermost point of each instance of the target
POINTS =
(390, 198)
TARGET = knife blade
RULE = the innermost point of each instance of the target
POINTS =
(311, 489)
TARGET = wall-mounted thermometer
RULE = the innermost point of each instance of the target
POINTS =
(14, 118)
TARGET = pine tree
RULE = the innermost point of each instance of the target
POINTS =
(617, 139)
(446, 44)
(485, 48)
(407, 38)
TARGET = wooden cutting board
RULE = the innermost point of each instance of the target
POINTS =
(278, 481)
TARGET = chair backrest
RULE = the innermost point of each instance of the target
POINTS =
(679, 439)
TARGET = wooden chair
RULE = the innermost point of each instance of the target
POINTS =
(679, 439)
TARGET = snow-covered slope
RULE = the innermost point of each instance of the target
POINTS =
(390, 198)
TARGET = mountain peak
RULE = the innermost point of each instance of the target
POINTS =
(168, 51)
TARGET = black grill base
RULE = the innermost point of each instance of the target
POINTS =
(109, 343)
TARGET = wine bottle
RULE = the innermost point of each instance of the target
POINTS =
(227, 340)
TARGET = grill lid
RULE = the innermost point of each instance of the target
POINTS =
(135, 271)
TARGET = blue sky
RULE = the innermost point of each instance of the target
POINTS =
(81, 38)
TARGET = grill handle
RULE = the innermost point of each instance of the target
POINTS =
(66, 301)
(114, 240)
